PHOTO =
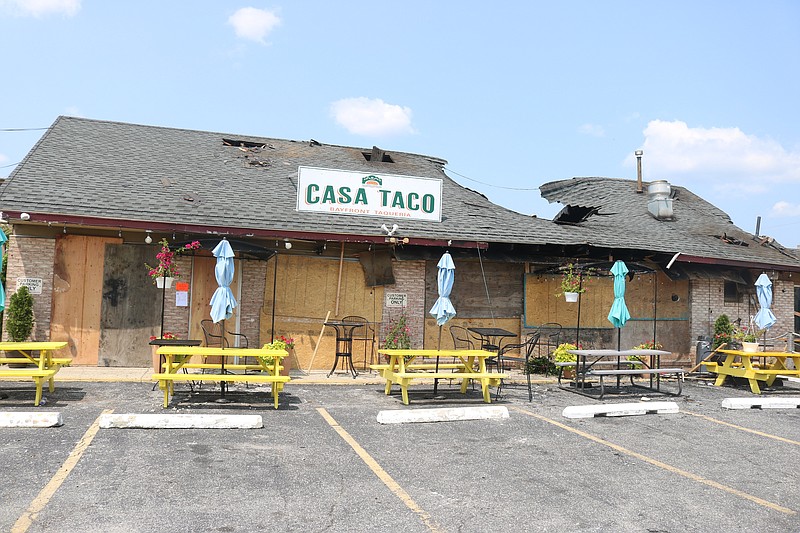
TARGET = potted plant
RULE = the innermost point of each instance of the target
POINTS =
(561, 355)
(156, 359)
(571, 283)
(167, 268)
(280, 343)
(747, 336)
(398, 337)
(636, 361)
(19, 320)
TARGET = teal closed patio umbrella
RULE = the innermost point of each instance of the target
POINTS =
(619, 314)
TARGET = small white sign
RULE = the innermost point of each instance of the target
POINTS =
(34, 284)
(181, 299)
(396, 299)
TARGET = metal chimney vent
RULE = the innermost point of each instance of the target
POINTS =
(659, 201)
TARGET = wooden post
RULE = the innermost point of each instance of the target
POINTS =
(339, 283)
(319, 340)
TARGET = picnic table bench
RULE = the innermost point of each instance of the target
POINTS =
(588, 363)
(177, 358)
(46, 366)
(737, 363)
(471, 365)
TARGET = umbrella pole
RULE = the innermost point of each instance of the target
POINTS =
(222, 346)
(438, 347)
(163, 297)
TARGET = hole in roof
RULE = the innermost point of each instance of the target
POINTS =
(385, 159)
(242, 144)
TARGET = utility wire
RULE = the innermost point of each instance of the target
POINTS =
(23, 129)
(11, 165)
(492, 185)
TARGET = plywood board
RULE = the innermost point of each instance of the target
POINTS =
(306, 291)
(131, 307)
(669, 302)
(77, 295)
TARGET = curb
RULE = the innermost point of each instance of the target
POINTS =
(444, 414)
(170, 421)
(31, 420)
(620, 409)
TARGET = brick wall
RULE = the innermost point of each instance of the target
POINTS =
(409, 278)
(708, 303)
(176, 319)
(33, 257)
(254, 275)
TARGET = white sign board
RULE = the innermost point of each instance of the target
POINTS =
(34, 284)
(396, 299)
(342, 192)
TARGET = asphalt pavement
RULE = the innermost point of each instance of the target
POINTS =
(322, 462)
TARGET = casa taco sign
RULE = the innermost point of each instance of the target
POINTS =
(342, 192)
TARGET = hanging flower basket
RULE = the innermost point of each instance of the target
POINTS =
(164, 282)
(749, 347)
(167, 267)
(571, 297)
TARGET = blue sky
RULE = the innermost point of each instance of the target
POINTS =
(511, 94)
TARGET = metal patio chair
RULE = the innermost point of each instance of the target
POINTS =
(526, 350)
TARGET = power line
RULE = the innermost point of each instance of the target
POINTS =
(23, 129)
(492, 185)
(11, 165)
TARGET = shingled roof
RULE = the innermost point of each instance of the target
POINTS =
(123, 173)
(617, 217)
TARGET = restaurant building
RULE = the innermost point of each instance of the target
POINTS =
(323, 231)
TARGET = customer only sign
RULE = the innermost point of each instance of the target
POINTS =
(34, 284)
(342, 192)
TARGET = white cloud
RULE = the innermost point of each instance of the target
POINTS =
(365, 116)
(785, 209)
(40, 8)
(73, 111)
(593, 130)
(726, 156)
(253, 24)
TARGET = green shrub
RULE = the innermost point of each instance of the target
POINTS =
(19, 320)
(723, 331)
(541, 365)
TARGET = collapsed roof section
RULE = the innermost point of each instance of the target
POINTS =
(618, 217)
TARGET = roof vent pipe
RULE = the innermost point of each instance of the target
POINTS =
(659, 201)
(639, 170)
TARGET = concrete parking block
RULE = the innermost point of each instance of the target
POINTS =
(30, 420)
(761, 403)
(620, 409)
(444, 414)
(176, 421)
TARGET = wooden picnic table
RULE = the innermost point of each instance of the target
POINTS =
(46, 365)
(740, 364)
(177, 358)
(470, 365)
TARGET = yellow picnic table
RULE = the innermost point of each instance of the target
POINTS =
(46, 365)
(177, 358)
(402, 369)
(738, 363)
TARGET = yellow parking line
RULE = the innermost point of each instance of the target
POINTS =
(669, 468)
(381, 473)
(29, 516)
(741, 428)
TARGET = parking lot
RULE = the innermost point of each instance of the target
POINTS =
(323, 463)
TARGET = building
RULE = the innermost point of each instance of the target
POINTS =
(329, 231)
